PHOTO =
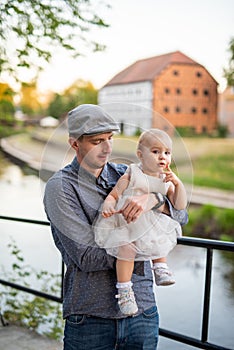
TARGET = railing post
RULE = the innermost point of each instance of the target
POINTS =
(206, 306)
(62, 279)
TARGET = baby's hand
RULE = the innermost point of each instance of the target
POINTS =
(108, 211)
(170, 176)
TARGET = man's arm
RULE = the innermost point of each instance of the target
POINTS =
(72, 232)
(136, 205)
(109, 204)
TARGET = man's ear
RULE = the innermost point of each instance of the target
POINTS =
(73, 143)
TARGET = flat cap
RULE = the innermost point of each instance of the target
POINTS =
(89, 119)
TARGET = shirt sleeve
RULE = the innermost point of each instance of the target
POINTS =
(73, 235)
(181, 216)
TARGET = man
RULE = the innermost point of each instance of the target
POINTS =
(73, 197)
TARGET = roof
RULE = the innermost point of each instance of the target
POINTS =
(149, 68)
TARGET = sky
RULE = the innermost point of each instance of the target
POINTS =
(201, 29)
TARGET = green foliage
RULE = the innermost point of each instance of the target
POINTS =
(229, 72)
(25, 309)
(209, 221)
(214, 170)
(6, 112)
(138, 132)
(35, 27)
(186, 131)
(78, 93)
(222, 131)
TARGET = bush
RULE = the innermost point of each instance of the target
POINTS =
(210, 222)
(33, 312)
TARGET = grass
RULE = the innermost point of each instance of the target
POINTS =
(210, 222)
(202, 161)
(213, 162)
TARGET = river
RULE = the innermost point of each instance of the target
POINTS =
(180, 306)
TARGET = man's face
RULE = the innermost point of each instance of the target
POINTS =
(93, 151)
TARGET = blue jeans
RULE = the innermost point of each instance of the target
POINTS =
(93, 333)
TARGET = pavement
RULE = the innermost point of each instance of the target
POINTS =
(19, 338)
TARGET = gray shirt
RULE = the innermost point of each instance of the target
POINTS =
(72, 200)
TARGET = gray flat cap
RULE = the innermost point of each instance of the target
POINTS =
(88, 119)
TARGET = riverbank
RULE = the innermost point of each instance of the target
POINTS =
(47, 152)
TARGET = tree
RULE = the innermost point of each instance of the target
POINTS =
(78, 93)
(229, 72)
(30, 29)
(6, 105)
(6, 93)
(29, 98)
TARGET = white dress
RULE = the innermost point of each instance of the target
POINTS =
(153, 235)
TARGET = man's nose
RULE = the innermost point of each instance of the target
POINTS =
(107, 146)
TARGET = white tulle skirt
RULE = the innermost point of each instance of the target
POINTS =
(153, 235)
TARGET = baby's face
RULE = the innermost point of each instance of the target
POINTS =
(155, 155)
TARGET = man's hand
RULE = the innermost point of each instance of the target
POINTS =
(136, 205)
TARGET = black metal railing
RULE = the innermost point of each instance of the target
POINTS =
(209, 245)
(38, 293)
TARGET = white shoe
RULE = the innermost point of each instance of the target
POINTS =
(127, 302)
(163, 276)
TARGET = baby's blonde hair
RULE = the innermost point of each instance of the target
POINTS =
(157, 134)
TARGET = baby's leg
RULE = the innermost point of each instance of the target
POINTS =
(125, 264)
(163, 276)
(160, 260)
(124, 269)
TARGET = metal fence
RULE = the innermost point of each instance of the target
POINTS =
(209, 245)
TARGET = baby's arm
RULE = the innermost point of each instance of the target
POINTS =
(109, 204)
(176, 193)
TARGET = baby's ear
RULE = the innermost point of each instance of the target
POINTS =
(139, 154)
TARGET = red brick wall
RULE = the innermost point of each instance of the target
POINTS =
(186, 95)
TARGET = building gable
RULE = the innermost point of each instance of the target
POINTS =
(149, 68)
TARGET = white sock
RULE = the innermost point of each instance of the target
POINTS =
(124, 284)
(160, 264)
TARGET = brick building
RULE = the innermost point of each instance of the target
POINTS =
(165, 91)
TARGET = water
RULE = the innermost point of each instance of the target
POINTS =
(180, 306)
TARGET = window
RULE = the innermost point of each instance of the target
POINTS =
(199, 74)
(178, 91)
(195, 92)
(206, 92)
(204, 110)
(194, 110)
(167, 90)
(175, 72)
(166, 109)
(177, 109)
